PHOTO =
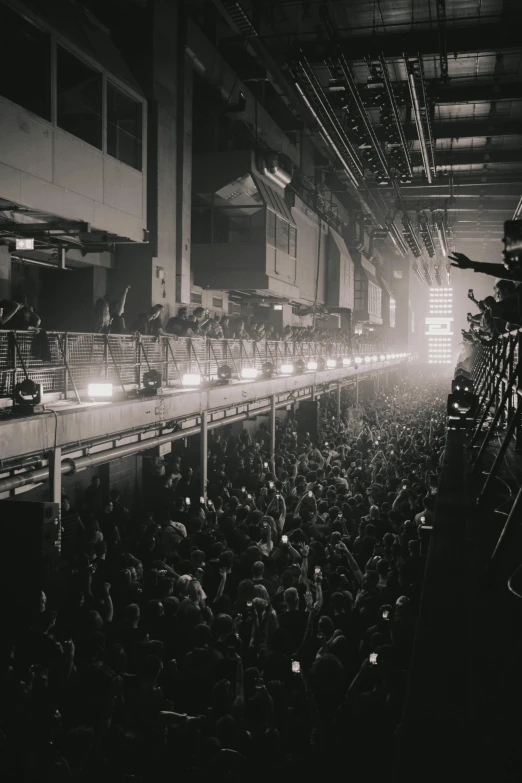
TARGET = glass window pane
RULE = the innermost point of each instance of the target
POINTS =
(79, 92)
(282, 235)
(124, 127)
(25, 63)
(270, 227)
(292, 247)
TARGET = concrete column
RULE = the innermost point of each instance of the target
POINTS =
(204, 452)
(55, 475)
(272, 426)
(338, 397)
(55, 485)
(159, 272)
(184, 176)
(5, 272)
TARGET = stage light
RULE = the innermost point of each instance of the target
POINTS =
(331, 363)
(346, 361)
(191, 380)
(151, 383)
(224, 374)
(249, 373)
(99, 390)
(374, 359)
(312, 365)
(26, 395)
(268, 369)
(358, 360)
(367, 359)
(383, 357)
(287, 369)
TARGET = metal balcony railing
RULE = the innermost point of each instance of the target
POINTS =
(497, 378)
(79, 358)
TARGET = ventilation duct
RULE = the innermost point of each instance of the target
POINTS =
(270, 168)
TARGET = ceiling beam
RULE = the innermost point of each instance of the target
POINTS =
(464, 129)
(471, 93)
(484, 155)
(491, 37)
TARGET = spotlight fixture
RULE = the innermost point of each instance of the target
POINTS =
(367, 359)
(330, 363)
(374, 359)
(287, 369)
(99, 391)
(26, 395)
(224, 374)
(312, 365)
(249, 373)
(151, 383)
(267, 369)
(358, 360)
(383, 357)
(346, 361)
(191, 380)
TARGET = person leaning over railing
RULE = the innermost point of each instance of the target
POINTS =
(461, 261)
(149, 323)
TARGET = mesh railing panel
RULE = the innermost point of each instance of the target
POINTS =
(122, 359)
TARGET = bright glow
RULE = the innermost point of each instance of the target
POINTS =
(249, 373)
(287, 369)
(346, 361)
(367, 359)
(99, 390)
(312, 365)
(358, 360)
(383, 357)
(375, 359)
(278, 307)
(331, 363)
(191, 379)
(455, 405)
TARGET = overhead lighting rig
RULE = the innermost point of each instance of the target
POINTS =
(361, 127)
(390, 118)
(424, 231)
(330, 128)
(421, 112)
(396, 236)
(409, 235)
(441, 232)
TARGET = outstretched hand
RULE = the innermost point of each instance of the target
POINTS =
(461, 261)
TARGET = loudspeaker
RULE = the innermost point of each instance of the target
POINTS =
(308, 418)
(31, 537)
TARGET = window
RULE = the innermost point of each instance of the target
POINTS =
(25, 63)
(124, 127)
(79, 96)
(292, 244)
(217, 302)
(195, 298)
(282, 235)
(270, 227)
(374, 299)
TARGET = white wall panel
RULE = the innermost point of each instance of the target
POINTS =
(122, 187)
(25, 142)
(109, 219)
(10, 183)
(52, 198)
(78, 166)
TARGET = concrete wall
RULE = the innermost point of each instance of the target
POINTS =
(46, 168)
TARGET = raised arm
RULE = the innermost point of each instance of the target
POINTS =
(121, 304)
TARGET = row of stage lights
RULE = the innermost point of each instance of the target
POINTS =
(152, 378)
(268, 370)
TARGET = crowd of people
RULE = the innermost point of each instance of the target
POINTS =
(264, 630)
(497, 313)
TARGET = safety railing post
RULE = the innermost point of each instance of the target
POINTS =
(66, 364)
